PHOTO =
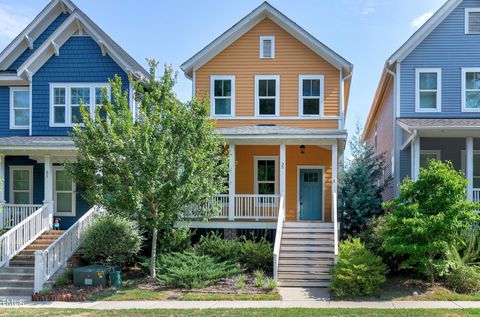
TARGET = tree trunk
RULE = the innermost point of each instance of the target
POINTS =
(153, 259)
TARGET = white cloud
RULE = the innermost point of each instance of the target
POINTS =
(420, 20)
(12, 21)
(368, 7)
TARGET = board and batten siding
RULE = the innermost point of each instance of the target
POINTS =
(292, 58)
(448, 48)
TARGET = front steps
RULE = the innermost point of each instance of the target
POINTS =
(306, 254)
(18, 278)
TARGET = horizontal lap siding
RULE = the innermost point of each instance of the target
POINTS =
(80, 61)
(306, 124)
(448, 48)
(292, 59)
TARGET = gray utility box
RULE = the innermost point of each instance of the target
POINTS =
(92, 275)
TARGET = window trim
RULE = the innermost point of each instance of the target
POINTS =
(466, 70)
(467, 20)
(68, 106)
(13, 126)
(277, 95)
(13, 168)
(255, 172)
(419, 71)
(437, 153)
(301, 78)
(74, 194)
(264, 38)
(212, 96)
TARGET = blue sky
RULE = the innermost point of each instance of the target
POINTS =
(365, 32)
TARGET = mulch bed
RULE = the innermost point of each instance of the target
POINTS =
(69, 293)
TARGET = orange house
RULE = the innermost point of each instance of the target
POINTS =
(279, 97)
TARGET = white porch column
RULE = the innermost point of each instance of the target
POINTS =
(2, 179)
(283, 169)
(334, 194)
(231, 182)
(415, 152)
(48, 185)
(469, 167)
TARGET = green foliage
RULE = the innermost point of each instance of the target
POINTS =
(373, 237)
(430, 214)
(464, 279)
(191, 270)
(358, 271)
(466, 250)
(156, 166)
(260, 279)
(65, 279)
(361, 186)
(240, 284)
(271, 284)
(111, 240)
(252, 255)
(174, 240)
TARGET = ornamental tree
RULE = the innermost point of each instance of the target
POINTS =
(154, 167)
(430, 214)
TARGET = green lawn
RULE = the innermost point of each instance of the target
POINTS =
(212, 297)
(297, 312)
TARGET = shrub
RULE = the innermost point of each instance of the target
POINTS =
(358, 271)
(240, 284)
(214, 245)
(65, 279)
(271, 284)
(257, 255)
(191, 270)
(174, 240)
(464, 279)
(259, 278)
(111, 240)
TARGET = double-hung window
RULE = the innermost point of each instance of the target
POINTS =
(428, 89)
(21, 184)
(222, 92)
(266, 175)
(65, 100)
(64, 191)
(311, 95)
(267, 95)
(472, 21)
(19, 108)
(267, 46)
(470, 89)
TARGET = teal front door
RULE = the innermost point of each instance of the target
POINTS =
(311, 194)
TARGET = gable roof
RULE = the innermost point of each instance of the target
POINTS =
(265, 10)
(77, 21)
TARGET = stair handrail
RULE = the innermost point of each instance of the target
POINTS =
(335, 224)
(24, 233)
(278, 235)
(50, 260)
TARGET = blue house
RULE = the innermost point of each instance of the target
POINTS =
(61, 58)
(427, 104)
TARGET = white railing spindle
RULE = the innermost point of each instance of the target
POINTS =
(12, 214)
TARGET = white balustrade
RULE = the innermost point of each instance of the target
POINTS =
(278, 236)
(476, 195)
(49, 261)
(12, 214)
(256, 206)
(24, 233)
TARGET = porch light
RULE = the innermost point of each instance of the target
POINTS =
(302, 149)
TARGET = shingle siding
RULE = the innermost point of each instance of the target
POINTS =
(80, 60)
(5, 115)
(448, 48)
(39, 41)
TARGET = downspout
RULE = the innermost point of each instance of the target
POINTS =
(396, 151)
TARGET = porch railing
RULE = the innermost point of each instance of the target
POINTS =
(256, 206)
(476, 195)
(24, 233)
(12, 214)
(278, 236)
(49, 261)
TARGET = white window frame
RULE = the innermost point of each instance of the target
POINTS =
(255, 171)
(466, 70)
(301, 78)
(212, 95)
(277, 95)
(13, 126)
(74, 194)
(28, 168)
(68, 106)
(437, 153)
(419, 71)
(464, 164)
(467, 19)
(267, 38)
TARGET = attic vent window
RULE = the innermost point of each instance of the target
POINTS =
(472, 21)
(267, 46)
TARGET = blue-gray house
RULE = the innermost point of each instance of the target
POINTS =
(61, 58)
(427, 104)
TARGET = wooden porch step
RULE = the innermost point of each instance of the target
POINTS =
(308, 224)
(306, 248)
(304, 275)
(303, 283)
(299, 268)
(307, 230)
(306, 242)
(305, 262)
(310, 235)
